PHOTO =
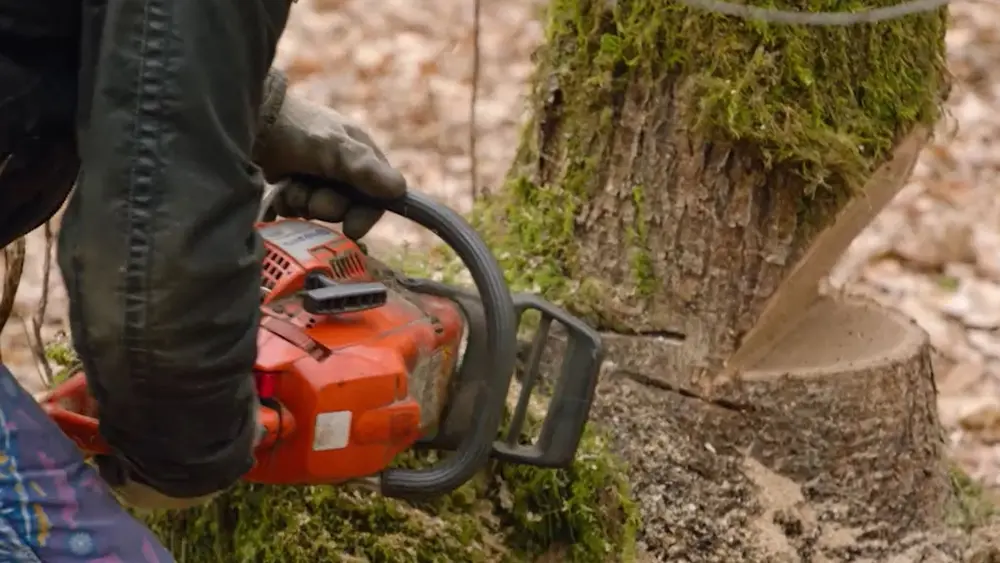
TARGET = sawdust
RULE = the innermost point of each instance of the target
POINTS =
(696, 505)
(702, 472)
(788, 519)
(780, 498)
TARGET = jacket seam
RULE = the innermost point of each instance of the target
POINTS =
(142, 177)
(275, 91)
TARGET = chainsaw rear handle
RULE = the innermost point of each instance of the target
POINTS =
(474, 452)
(73, 409)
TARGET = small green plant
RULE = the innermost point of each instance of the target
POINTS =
(61, 354)
(974, 505)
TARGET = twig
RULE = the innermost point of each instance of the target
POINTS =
(38, 320)
(34, 350)
(474, 162)
(13, 256)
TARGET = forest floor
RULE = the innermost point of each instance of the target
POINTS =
(404, 70)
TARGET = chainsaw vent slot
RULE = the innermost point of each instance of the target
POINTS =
(274, 268)
(349, 266)
(327, 296)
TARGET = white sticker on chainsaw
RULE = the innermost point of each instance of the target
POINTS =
(333, 431)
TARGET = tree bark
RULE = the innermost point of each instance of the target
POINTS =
(685, 184)
(678, 170)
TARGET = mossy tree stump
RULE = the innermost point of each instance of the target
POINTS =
(685, 183)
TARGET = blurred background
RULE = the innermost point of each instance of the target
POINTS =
(405, 70)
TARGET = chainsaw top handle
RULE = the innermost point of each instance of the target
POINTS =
(475, 450)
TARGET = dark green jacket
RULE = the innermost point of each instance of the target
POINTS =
(152, 106)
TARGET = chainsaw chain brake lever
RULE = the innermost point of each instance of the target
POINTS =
(571, 399)
(500, 328)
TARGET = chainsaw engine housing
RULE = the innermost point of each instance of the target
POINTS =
(357, 366)
(357, 363)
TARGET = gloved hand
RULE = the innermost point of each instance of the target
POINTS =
(315, 149)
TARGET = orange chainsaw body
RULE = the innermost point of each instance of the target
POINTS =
(343, 390)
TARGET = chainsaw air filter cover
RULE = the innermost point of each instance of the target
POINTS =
(294, 247)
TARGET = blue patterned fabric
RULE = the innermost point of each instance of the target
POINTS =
(54, 508)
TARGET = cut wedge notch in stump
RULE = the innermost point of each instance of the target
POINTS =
(737, 281)
(800, 288)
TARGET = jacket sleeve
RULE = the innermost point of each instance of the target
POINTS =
(157, 246)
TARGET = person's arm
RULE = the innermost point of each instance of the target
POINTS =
(157, 246)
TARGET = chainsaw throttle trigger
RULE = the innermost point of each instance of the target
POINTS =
(325, 296)
(573, 392)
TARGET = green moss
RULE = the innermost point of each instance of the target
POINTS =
(587, 509)
(829, 101)
(60, 353)
(308, 524)
(638, 233)
(974, 506)
(439, 263)
(512, 513)
(543, 226)
(821, 107)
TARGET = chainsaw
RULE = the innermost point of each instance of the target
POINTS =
(357, 364)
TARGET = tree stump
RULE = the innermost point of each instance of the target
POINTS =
(832, 436)
(686, 182)
(820, 438)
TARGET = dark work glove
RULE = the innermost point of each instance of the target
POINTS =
(323, 201)
(302, 139)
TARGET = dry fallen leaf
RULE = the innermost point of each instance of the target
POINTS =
(983, 424)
